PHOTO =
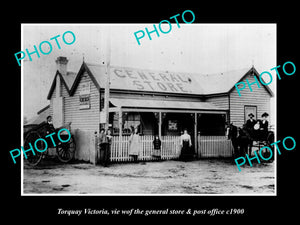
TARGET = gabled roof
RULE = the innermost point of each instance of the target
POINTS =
(123, 78)
(97, 80)
(133, 79)
(225, 82)
(254, 72)
(67, 80)
(219, 82)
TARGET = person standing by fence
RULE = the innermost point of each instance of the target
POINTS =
(157, 147)
(134, 144)
(102, 142)
(107, 149)
(185, 143)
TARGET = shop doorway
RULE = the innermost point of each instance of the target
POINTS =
(174, 124)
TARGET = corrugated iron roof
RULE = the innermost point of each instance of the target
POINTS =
(133, 79)
(125, 78)
(219, 82)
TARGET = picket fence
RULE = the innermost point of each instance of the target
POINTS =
(170, 148)
(208, 146)
(214, 146)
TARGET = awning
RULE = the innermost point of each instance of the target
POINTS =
(159, 104)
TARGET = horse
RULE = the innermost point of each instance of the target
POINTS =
(240, 138)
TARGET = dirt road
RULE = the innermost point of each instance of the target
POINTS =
(214, 176)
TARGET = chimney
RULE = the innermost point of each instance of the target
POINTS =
(61, 64)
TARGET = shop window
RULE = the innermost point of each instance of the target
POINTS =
(133, 120)
(130, 121)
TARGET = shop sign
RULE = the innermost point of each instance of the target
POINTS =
(172, 125)
(153, 81)
(84, 95)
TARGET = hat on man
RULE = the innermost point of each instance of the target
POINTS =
(251, 115)
(265, 114)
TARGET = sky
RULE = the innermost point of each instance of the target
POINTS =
(192, 48)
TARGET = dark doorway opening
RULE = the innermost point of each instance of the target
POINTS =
(175, 123)
(211, 124)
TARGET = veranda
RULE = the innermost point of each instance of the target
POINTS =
(207, 147)
(167, 120)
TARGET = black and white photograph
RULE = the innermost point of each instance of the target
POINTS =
(130, 109)
(150, 112)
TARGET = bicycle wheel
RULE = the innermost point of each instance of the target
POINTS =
(33, 158)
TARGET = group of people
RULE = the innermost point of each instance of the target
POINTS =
(252, 130)
(185, 143)
(105, 140)
(258, 128)
(134, 145)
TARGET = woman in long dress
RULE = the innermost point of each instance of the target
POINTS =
(134, 144)
(186, 143)
(157, 147)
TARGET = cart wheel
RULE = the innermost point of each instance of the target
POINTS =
(66, 151)
(270, 140)
(33, 159)
(270, 137)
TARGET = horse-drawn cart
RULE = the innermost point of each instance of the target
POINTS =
(65, 150)
(260, 140)
(243, 140)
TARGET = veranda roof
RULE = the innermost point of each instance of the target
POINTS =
(162, 104)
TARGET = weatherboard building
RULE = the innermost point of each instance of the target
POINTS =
(158, 102)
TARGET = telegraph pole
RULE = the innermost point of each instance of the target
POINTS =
(107, 84)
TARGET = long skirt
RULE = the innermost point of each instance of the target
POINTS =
(134, 146)
(104, 153)
(186, 153)
(156, 153)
